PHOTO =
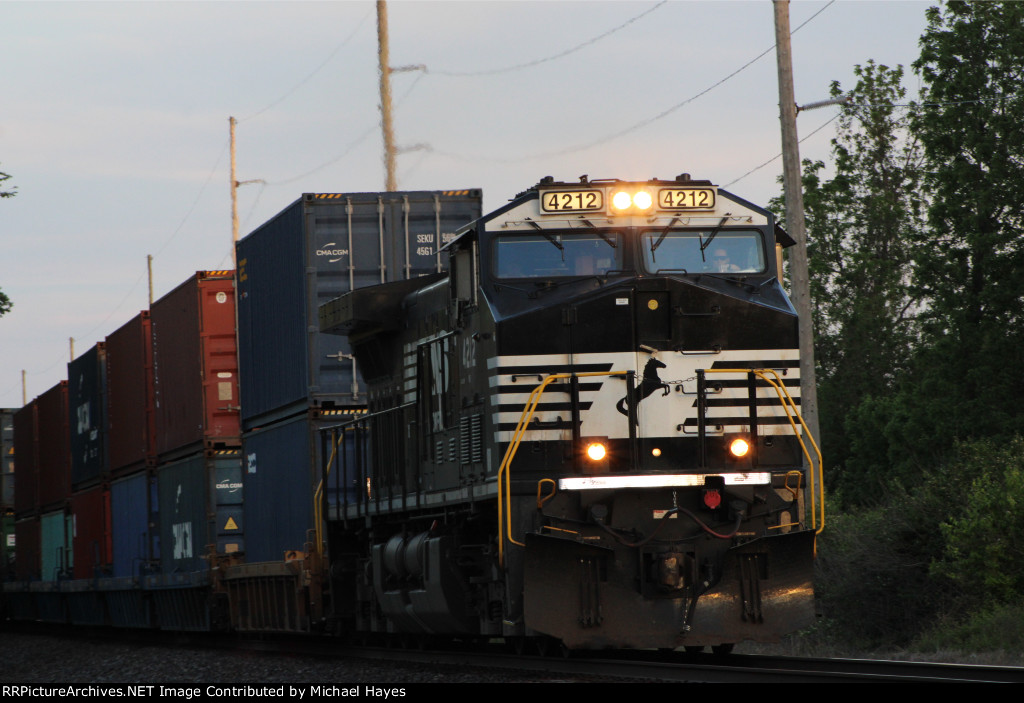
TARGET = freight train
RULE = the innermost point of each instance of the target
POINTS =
(573, 419)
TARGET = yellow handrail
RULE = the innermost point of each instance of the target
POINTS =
(317, 508)
(505, 490)
(789, 406)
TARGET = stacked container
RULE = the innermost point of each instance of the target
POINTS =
(316, 249)
(7, 493)
(41, 500)
(195, 369)
(90, 471)
(130, 422)
(131, 440)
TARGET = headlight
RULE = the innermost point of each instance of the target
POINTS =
(622, 200)
(640, 200)
(643, 200)
(596, 451)
(739, 448)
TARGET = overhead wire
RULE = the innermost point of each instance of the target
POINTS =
(312, 73)
(559, 55)
(638, 125)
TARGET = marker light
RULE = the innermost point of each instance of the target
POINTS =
(712, 498)
(622, 200)
(596, 451)
(655, 452)
(739, 448)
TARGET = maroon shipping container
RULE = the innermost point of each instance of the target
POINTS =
(26, 453)
(27, 562)
(90, 540)
(130, 396)
(195, 366)
(54, 447)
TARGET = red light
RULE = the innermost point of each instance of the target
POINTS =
(712, 498)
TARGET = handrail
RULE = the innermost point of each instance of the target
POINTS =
(789, 405)
(517, 436)
(363, 419)
(318, 493)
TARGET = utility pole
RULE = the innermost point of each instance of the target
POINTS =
(234, 193)
(385, 96)
(149, 273)
(793, 186)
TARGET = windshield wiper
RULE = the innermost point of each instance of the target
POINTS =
(704, 245)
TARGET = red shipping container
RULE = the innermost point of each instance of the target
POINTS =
(90, 540)
(130, 396)
(195, 366)
(26, 458)
(54, 447)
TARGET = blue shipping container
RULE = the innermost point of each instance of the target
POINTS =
(282, 464)
(136, 544)
(87, 408)
(316, 249)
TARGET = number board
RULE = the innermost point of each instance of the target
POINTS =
(686, 198)
(571, 201)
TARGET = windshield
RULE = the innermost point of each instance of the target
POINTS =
(724, 251)
(557, 254)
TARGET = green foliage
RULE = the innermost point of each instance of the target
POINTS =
(6, 193)
(921, 412)
(969, 265)
(860, 224)
(874, 572)
(996, 628)
(984, 540)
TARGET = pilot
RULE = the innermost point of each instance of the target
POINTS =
(720, 261)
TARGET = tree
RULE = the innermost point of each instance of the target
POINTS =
(970, 264)
(860, 224)
(5, 302)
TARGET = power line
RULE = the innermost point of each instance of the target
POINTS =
(561, 54)
(779, 155)
(312, 73)
(640, 124)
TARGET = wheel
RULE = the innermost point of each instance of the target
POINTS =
(723, 649)
(693, 648)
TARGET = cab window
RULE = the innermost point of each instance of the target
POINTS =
(703, 251)
(557, 254)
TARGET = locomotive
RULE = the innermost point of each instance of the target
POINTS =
(587, 429)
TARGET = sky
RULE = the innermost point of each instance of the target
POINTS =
(114, 122)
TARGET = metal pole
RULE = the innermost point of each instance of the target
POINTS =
(793, 185)
(234, 192)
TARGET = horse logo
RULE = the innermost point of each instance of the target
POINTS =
(648, 384)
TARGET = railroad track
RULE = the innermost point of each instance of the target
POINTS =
(326, 660)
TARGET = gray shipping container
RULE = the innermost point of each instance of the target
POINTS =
(316, 249)
(200, 506)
